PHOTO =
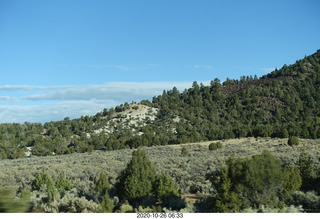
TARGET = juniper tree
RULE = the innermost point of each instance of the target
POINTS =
(136, 182)
(252, 182)
(307, 171)
(43, 179)
(102, 184)
(63, 183)
(165, 189)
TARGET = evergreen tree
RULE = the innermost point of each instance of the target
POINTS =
(226, 199)
(136, 182)
(293, 140)
(102, 185)
(260, 180)
(307, 171)
(292, 180)
(63, 183)
(43, 179)
(165, 189)
(106, 205)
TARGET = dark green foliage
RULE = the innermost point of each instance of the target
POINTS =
(260, 180)
(292, 180)
(3, 154)
(139, 184)
(17, 153)
(308, 171)
(284, 133)
(136, 181)
(165, 189)
(191, 173)
(293, 140)
(106, 205)
(309, 201)
(264, 177)
(184, 151)
(62, 183)
(226, 199)
(41, 179)
(102, 185)
(215, 146)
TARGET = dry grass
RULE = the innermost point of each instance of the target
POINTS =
(189, 170)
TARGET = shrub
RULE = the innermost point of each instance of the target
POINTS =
(107, 204)
(215, 146)
(165, 189)
(252, 182)
(293, 140)
(309, 201)
(308, 171)
(292, 180)
(125, 208)
(184, 151)
(63, 183)
(41, 179)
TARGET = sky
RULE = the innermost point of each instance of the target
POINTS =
(74, 58)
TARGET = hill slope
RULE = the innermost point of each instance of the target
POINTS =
(282, 103)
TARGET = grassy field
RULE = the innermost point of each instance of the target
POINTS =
(190, 171)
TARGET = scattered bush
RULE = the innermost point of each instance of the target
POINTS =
(259, 180)
(125, 208)
(215, 146)
(62, 183)
(293, 140)
(44, 180)
(309, 201)
(41, 179)
(184, 151)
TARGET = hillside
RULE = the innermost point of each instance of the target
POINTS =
(284, 103)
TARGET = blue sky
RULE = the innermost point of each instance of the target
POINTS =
(73, 58)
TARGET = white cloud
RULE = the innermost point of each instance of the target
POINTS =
(30, 87)
(52, 112)
(123, 91)
(118, 67)
(267, 70)
(46, 103)
(9, 99)
(122, 67)
(208, 67)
